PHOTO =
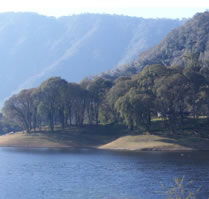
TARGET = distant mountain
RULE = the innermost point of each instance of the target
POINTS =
(35, 47)
(192, 38)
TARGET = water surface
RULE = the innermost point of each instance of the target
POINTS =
(92, 174)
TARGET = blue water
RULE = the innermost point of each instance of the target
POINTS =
(91, 174)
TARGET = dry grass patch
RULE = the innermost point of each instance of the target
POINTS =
(145, 142)
(22, 139)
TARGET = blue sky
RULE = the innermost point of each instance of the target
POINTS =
(139, 8)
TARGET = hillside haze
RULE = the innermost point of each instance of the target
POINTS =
(35, 47)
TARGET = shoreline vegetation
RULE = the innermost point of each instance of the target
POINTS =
(105, 138)
(161, 109)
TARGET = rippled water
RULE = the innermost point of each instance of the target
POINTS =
(86, 174)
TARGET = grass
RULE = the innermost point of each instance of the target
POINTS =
(148, 142)
(194, 136)
(87, 136)
(102, 138)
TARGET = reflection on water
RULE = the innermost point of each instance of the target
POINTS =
(83, 174)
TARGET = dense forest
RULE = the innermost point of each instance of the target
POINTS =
(173, 93)
(193, 37)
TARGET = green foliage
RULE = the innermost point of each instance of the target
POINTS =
(120, 88)
(186, 45)
(174, 93)
(52, 93)
(57, 102)
(19, 109)
(179, 190)
(135, 108)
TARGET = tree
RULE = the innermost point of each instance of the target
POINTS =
(135, 108)
(52, 91)
(19, 109)
(121, 87)
(97, 90)
(171, 92)
(75, 100)
(196, 82)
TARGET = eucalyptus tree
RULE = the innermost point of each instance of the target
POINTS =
(145, 83)
(20, 109)
(136, 100)
(68, 98)
(78, 102)
(135, 108)
(171, 93)
(36, 100)
(52, 92)
(196, 83)
(97, 90)
(121, 86)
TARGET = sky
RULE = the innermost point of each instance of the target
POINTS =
(139, 8)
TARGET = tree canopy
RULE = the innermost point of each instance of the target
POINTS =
(173, 93)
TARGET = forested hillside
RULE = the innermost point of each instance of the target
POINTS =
(177, 95)
(34, 47)
(186, 43)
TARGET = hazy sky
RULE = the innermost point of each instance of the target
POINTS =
(141, 8)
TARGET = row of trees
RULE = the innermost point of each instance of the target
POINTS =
(171, 92)
(174, 93)
(56, 102)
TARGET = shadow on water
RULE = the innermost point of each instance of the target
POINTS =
(171, 155)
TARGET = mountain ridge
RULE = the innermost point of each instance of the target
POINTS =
(190, 39)
(35, 47)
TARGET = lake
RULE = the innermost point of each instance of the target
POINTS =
(94, 174)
